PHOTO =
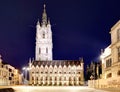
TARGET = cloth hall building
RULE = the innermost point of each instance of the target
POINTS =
(46, 71)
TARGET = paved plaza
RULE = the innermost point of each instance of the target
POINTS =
(55, 89)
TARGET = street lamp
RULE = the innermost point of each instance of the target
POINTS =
(91, 77)
(25, 69)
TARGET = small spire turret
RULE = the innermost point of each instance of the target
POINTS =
(48, 21)
(30, 60)
(38, 23)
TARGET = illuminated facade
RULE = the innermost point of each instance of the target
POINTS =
(46, 71)
(111, 55)
(4, 74)
(56, 72)
(9, 75)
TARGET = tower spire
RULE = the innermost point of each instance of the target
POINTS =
(44, 16)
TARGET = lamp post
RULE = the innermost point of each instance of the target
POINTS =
(25, 69)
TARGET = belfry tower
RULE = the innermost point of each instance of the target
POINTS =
(43, 39)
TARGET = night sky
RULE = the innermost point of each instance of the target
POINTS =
(80, 28)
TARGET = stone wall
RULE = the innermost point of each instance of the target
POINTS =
(105, 83)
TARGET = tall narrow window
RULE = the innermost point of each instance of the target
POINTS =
(43, 34)
(39, 50)
(46, 50)
(118, 54)
(108, 62)
(118, 34)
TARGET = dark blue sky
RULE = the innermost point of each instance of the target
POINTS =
(80, 28)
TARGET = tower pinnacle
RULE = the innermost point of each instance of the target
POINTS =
(44, 16)
(38, 23)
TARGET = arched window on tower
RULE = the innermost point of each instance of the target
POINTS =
(39, 50)
(43, 35)
(118, 34)
(46, 50)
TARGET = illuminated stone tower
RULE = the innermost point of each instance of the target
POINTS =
(43, 39)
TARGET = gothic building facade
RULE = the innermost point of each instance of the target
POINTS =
(46, 71)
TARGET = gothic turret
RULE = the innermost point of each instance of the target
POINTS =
(38, 23)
